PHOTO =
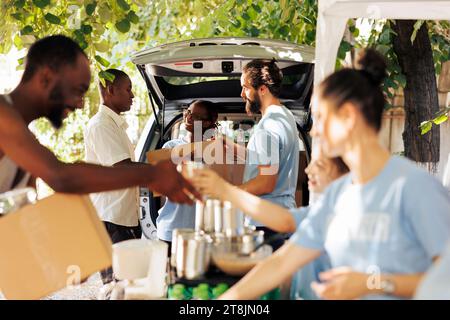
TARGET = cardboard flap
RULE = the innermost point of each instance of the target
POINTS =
(48, 245)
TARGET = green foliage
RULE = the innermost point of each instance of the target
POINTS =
(110, 30)
(440, 117)
(381, 37)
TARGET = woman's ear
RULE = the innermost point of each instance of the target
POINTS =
(348, 113)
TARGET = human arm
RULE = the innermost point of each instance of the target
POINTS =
(274, 270)
(345, 283)
(19, 144)
(262, 183)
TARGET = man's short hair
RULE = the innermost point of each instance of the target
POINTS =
(53, 52)
(118, 75)
(264, 72)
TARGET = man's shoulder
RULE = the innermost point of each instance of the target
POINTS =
(99, 120)
(7, 113)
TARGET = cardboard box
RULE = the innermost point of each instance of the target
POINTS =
(51, 244)
(211, 152)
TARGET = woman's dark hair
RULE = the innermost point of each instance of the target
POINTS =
(360, 86)
(264, 72)
(53, 52)
(209, 107)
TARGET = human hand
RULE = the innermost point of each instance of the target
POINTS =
(341, 284)
(169, 182)
(209, 183)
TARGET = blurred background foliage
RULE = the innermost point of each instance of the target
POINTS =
(110, 30)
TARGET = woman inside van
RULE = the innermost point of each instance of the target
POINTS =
(382, 225)
(202, 116)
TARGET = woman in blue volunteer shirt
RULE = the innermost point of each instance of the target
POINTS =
(321, 172)
(382, 225)
(177, 216)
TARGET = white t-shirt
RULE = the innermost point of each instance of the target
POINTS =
(8, 169)
(106, 143)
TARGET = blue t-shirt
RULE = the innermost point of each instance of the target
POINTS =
(275, 142)
(396, 223)
(435, 284)
(173, 215)
(302, 279)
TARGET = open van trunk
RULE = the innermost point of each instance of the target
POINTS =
(209, 69)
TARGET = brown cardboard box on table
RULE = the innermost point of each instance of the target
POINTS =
(224, 164)
(45, 245)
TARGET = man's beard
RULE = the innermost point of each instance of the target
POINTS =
(57, 107)
(252, 107)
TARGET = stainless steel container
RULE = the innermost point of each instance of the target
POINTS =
(173, 250)
(232, 220)
(193, 255)
(215, 217)
(208, 216)
(218, 217)
(244, 243)
(199, 215)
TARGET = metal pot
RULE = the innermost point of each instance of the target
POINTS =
(216, 218)
(244, 243)
(193, 254)
(173, 250)
(232, 220)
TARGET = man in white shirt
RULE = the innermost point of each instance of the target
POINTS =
(56, 78)
(107, 144)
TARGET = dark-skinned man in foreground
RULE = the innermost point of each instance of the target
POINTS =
(55, 80)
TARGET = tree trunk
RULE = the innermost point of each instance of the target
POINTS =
(421, 96)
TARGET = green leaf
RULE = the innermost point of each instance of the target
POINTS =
(425, 127)
(19, 4)
(254, 32)
(52, 18)
(123, 25)
(442, 118)
(17, 16)
(401, 79)
(90, 8)
(383, 49)
(123, 4)
(17, 42)
(236, 23)
(104, 12)
(102, 46)
(86, 29)
(256, 8)
(385, 36)
(26, 30)
(284, 31)
(132, 17)
(107, 76)
(417, 26)
(102, 61)
(41, 3)
(343, 49)
(245, 16)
